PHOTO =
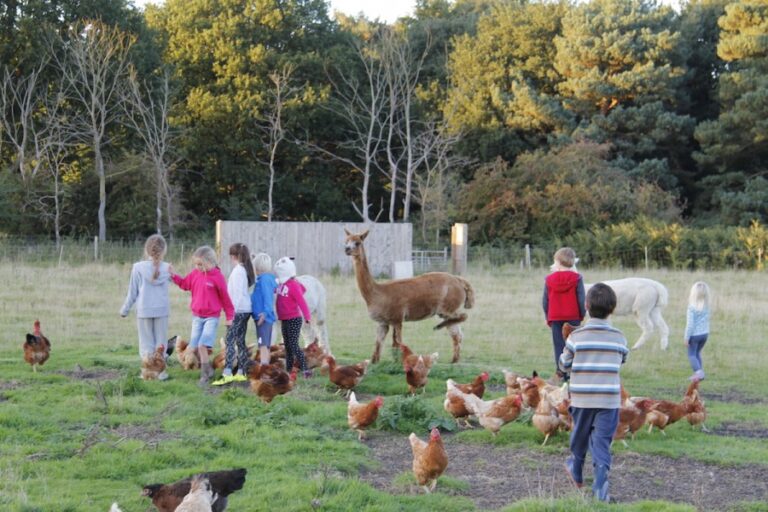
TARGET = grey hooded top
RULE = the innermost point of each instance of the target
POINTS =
(151, 297)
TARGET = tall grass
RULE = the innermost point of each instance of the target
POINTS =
(79, 444)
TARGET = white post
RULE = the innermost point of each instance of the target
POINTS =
(95, 248)
(646, 258)
(459, 240)
(528, 256)
(61, 253)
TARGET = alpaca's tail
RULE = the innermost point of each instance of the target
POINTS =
(451, 321)
(663, 299)
(469, 300)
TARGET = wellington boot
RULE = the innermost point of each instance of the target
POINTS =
(206, 373)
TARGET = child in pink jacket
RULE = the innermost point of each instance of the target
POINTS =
(291, 306)
(209, 297)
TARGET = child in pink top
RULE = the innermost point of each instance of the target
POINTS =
(209, 297)
(291, 307)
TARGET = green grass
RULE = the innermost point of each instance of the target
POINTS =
(72, 444)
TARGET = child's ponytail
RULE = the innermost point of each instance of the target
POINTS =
(243, 255)
(155, 248)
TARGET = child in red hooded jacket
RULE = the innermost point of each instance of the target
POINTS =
(563, 299)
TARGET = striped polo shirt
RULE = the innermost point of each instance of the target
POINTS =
(593, 355)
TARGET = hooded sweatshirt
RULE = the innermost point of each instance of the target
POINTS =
(563, 296)
(290, 301)
(150, 296)
(209, 293)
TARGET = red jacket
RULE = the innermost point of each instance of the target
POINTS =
(563, 296)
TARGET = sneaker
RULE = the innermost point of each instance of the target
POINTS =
(225, 379)
(569, 469)
(163, 375)
(308, 374)
(239, 377)
(699, 374)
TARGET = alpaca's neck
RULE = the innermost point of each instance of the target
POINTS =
(365, 281)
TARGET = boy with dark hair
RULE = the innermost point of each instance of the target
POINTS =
(592, 356)
(563, 299)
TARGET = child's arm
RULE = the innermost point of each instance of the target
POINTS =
(268, 298)
(581, 298)
(133, 292)
(688, 325)
(185, 283)
(221, 289)
(545, 303)
(566, 358)
(297, 290)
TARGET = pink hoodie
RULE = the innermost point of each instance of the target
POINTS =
(290, 301)
(209, 293)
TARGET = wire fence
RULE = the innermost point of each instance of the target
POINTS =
(80, 251)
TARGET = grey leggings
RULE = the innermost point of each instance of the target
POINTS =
(236, 335)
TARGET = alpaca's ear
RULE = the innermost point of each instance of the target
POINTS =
(363, 234)
(347, 232)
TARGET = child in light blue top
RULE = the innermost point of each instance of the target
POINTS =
(263, 303)
(697, 327)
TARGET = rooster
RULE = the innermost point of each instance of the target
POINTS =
(200, 497)
(167, 497)
(360, 416)
(37, 348)
(267, 380)
(429, 459)
(153, 365)
(416, 367)
(346, 377)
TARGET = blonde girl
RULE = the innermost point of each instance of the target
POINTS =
(148, 289)
(209, 298)
(240, 280)
(697, 326)
(263, 303)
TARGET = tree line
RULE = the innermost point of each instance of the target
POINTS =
(531, 120)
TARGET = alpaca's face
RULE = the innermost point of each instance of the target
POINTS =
(354, 243)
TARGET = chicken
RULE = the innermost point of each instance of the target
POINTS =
(200, 497)
(115, 508)
(565, 415)
(167, 497)
(346, 377)
(360, 416)
(656, 419)
(512, 380)
(546, 419)
(556, 394)
(568, 329)
(476, 387)
(531, 395)
(188, 357)
(698, 413)
(37, 348)
(269, 380)
(416, 367)
(491, 414)
(675, 411)
(429, 459)
(154, 364)
(314, 355)
(455, 405)
(632, 417)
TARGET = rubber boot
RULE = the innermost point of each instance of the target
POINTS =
(600, 484)
(206, 372)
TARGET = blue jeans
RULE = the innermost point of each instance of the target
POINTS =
(203, 331)
(593, 430)
(695, 344)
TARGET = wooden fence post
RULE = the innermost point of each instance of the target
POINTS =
(459, 240)
(95, 248)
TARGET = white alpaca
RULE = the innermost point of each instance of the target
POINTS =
(315, 297)
(644, 298)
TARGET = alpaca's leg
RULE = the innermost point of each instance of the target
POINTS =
(661, 325)
(644, 321)
(456, 336)
(381, 333)
(397, 335)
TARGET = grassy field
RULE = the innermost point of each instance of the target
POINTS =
(76, 438)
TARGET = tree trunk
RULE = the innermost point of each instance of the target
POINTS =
(99, 166)
(159, 198)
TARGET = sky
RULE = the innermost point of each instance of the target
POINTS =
(385, 10)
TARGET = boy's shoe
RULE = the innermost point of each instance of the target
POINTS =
(163, 375)
(239, 377)
(570, 470)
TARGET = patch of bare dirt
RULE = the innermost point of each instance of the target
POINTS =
(8, 385)
(81, 373)
(732, 429)
(499, 476)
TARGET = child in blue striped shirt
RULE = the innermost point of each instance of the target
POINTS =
(697, 327)
(593, 356)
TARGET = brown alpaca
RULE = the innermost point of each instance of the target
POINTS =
(405, 300)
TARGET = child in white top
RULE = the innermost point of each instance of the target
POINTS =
(240, 280)
(697, 327)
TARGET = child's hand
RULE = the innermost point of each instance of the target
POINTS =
(170, 269)
(260, 321)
